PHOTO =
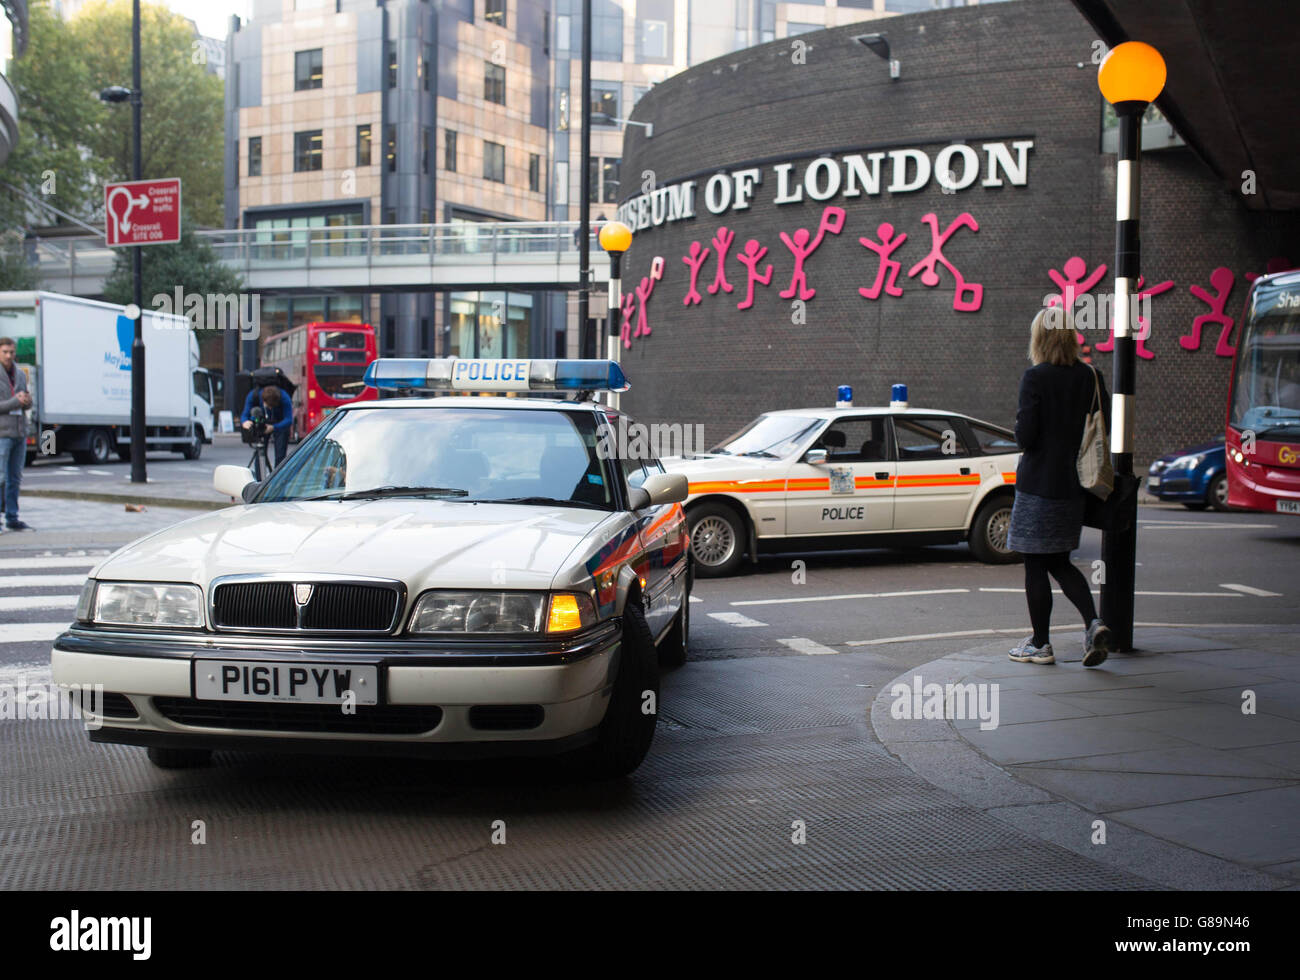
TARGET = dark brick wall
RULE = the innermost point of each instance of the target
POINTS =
(998, 72)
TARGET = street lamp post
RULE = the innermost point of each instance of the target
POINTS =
(615, 239)
(584, 180)
(117, 93)
(1130, 78)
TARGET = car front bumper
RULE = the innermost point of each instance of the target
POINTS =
(436, 698)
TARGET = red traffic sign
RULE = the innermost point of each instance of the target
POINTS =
(143, 212)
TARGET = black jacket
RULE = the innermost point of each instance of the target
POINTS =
(1054, 403)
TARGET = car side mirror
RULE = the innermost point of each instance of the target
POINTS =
(234, 481)
(658, 489)
(816, 457)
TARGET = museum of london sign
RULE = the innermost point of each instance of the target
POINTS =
(954, 168)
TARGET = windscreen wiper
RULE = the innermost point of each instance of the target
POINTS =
(377, 492)
(544, 501)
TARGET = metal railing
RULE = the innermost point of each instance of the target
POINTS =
(263, 249)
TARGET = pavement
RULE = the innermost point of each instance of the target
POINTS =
(1182, 759)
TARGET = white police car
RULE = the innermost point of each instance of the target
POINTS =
(450, 576)
(808, 479)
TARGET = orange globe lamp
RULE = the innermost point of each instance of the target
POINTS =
(1131, 72)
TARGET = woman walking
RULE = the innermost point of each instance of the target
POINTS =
(1047, 516)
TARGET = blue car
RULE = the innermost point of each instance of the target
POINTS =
(1196, 478)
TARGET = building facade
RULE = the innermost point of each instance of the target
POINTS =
(342, 113)
(814, 222)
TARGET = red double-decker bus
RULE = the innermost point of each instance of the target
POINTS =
(326, 362)
(1263, 437)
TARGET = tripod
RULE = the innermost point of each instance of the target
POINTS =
(260, 462)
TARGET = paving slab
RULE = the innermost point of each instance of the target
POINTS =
(1258, 827)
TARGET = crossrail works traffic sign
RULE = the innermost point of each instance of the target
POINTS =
(143, 212)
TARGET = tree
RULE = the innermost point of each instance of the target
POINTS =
(16, 272)
(57, 108)
(183, 114)
(192, 266)
(70, 142)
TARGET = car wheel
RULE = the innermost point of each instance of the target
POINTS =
(192, 450)
(1217, 494)
(1195, 504)
(99, 446)
(165, 758)
(628, 728)
(717, 540)
(989, 532)
(675, 645)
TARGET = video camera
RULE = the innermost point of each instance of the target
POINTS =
(255, 434)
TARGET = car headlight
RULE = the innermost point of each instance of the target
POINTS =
(147, 604)
(1157, 467)
(501, 612)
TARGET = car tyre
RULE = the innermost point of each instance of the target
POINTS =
(99, 447)
(165, 758)
(192, 450)
(626, 732)
(989, 532)
(1216, 495)
(717, 539)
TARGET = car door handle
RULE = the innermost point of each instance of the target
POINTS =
(882, 474)
(965, 471)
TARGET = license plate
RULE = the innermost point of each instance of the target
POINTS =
(1288, 506)
(1153, 481)
(293, 683)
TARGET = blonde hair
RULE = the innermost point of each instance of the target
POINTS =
(1052, 337)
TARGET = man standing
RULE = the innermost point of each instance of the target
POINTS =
(14, 401)
(278, 406)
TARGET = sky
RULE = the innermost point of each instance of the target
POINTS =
(212, 16)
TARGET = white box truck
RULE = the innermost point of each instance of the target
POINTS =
(77, 355)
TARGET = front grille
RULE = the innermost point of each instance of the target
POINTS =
(318, 718)
(506, 717)
(335, 606)
(350, 607)
(118, 706)
(1176, 486)
(255, 605)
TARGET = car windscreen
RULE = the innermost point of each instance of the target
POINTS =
(1266, 386)
(770, 436)
(532, 456)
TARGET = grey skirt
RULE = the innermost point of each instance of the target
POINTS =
(1045, 525)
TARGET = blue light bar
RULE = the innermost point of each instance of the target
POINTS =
(494, 374)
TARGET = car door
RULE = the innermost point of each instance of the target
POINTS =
(937, 475)
(664, 542)
(853, 491)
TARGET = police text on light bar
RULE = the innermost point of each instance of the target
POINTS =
(494, 374)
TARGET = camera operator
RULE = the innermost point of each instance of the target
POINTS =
(278, 407)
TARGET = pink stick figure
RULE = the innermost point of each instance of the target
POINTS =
(750, 257)
(643, 290)
(629, 305)
(1221, 280)
(1074, 283)
(722, 242)
(803, 245)
(1143, 327)
(966, 302)
(694, 261)
(889, 268)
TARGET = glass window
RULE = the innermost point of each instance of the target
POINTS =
(993, 441)
(609, 180)
(652, 39)
(792, 29)
(494, 161)
(449, 151)
(201, 385)
(307, 71)
(307, 150)
(424, 150)
(534, 172)
(1266, 375)
(770, 436)
(927, 438)
(392, 64)
(606, 31)
(363, 145)
(255, 156)
(488, 454)
(856, 440)
(604, 105)
(392, 148)
(341, 339)
(494, 83)
(494, 12)
(426, 67)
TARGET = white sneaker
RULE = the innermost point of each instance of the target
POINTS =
(1027, 653)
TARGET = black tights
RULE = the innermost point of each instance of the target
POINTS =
(1038, 590)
